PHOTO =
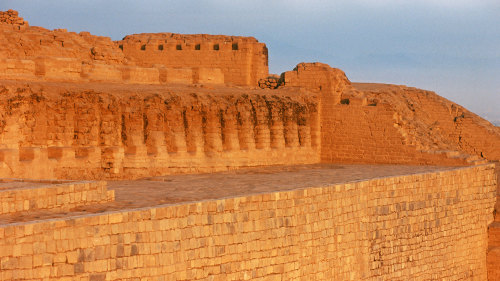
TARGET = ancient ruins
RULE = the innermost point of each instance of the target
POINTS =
(180, 157)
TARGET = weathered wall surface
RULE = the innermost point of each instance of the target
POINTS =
(52, 197)
(419, 227)
(52, 132)
(12, 17)
(242, 60)
(493, 255)
(366, 134)
(35, 53)
(319, 78)
(431, 122)
(363, 126)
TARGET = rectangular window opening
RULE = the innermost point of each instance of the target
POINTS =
(235, 46)
(178, 47)
(197, 47)
(143, 47)
(216, 47)
(160, 47)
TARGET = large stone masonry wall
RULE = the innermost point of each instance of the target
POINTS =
(73, 134)
(242, 60)
(421, 227)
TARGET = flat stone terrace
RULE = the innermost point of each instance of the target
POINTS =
(178, 189)
(8, 184)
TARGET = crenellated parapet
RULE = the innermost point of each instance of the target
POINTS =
(241, 60)
(36, 53)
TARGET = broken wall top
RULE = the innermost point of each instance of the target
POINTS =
(188, 37)
(12, 17)
(33, 41)
(36, 53)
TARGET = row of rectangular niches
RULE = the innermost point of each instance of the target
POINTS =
(197, 47)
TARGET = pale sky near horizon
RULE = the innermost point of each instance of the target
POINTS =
(451, 47)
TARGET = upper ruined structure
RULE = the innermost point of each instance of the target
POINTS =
(207, 58)
(35, 53)
(192, 105)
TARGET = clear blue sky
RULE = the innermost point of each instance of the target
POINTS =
(448, 46)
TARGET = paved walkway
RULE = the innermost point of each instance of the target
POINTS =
(191, 188)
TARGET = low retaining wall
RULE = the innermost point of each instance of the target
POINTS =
(419, 227)
(62, 196)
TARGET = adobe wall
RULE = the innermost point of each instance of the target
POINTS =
(367, 134)
(357, 129)
(318, 78)
(431, 122)
(35, 53)
(419, 227)
(74, 133)
(242, 60)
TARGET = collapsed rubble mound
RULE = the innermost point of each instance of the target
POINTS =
(12, 17)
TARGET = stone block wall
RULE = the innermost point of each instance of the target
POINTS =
(418, 227)
(63, 196)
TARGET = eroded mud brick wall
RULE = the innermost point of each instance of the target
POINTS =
(431, 122)
(328, 83)
(57, 133)
(463, 129)
(243, 60)
(367, 134)
(352, 133)
(418, 227)
(36, 53)
(392, 124)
